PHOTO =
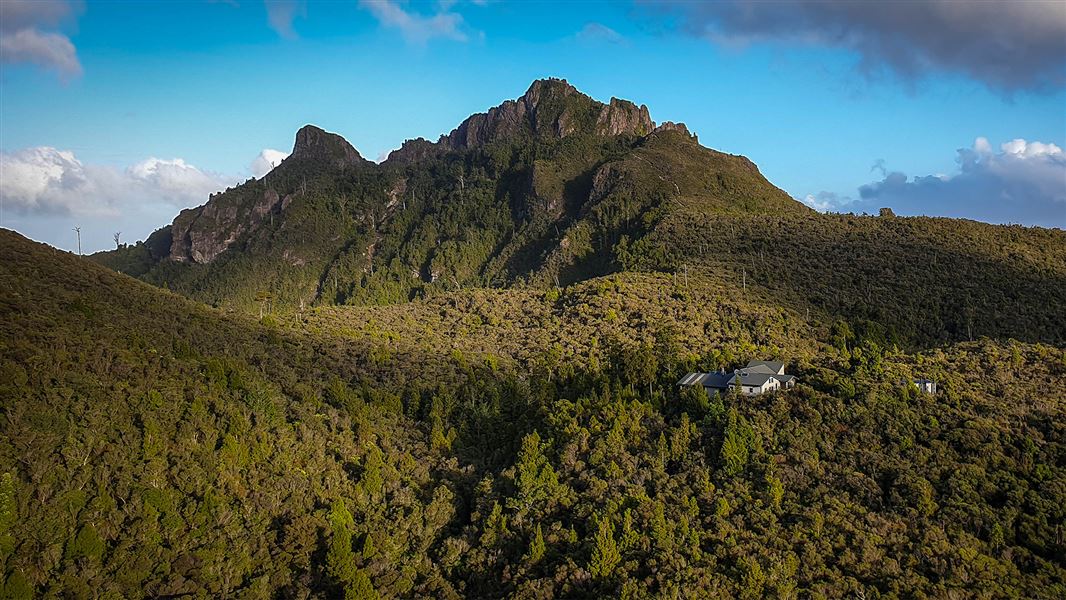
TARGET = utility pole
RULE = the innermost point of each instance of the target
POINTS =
(77, 230)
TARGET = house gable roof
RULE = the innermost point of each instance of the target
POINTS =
(774, 366)
(751, 378)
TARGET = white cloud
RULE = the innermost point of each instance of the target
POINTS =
(266, 161)
(45, 180)
(414, 27)
(1023, 182)
(24, 37)
(282, 13)
(44, 192)
(823, 201)
(47, 50)
(1019, 147)
(175, 181)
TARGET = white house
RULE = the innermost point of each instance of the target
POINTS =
(759, 377)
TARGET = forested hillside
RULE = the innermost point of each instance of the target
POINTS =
(537, 189)
(155, 446)
(555, 188)
(925, 280)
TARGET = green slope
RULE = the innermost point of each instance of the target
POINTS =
(555, 188)
(925, 281)
(154, 446)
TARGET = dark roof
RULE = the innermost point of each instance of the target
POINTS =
(775, 366)
(753, 378)
(711, 380)
(756, 375)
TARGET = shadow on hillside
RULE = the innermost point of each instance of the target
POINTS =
(928, 281)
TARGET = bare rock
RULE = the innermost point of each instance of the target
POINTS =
(200, 234)
(313, 143)
(623, 117)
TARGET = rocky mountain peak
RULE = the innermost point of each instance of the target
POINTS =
(547, 90)
(315, 143)
(551, 108)
(624, 117)
(413, 150)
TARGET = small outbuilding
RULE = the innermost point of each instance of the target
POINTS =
(925, 385)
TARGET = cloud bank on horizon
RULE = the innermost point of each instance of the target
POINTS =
(1020, 182)
(43, 186)
(1009, 45)
(47, 181)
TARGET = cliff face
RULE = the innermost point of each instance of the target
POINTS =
(315, 144)
(550, 108)
(623, 117)
(200, 234)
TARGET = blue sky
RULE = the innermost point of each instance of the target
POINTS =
(204, 88)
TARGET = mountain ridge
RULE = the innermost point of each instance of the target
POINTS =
(552, 167)
(556, 188)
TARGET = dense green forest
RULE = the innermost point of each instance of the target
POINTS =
(513, 443)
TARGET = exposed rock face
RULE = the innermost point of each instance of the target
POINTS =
(623, 117)
(313, 143)
(201, 234)
(671, 126)
(414, 151)
(396, 193)
(504, 120)
(550, 107)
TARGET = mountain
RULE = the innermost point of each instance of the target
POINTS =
(489, 443)
(199, 235)
(536, 189)
(554, 188)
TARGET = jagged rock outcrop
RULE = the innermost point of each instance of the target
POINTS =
(550, 108)
(316, 144)
(200, 234)
(413, 151)
(623, 117)
(671, 126)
